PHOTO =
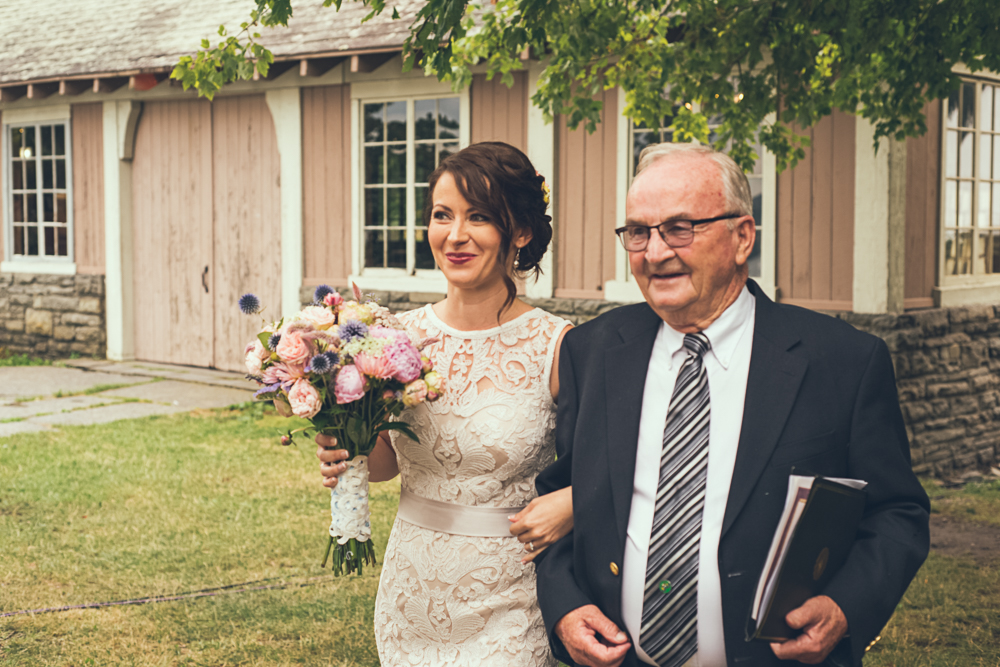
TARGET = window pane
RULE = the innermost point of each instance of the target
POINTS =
(989, 252)
(953, 109)
(965, 204)
(639, 141)
(446, 150)
(396, 207)
(29, 142)
(374, 169)
(61, 207)
(61, 174)
(373, 207)
(958, 253)
(996, 158)
(29, 170)
(421, 197)
(397, 164)
(47, 174)
(757, 192)
(50, 241)
(983, 205)
(424, 258)
(374, 248)
(425, 162)
(448, 114)
(951, 155)
(968, 104)
(32, 233)
(16, 135)
(60, 131)
(32, 202)
(48, 209)
(395, 121)
(423, 112)
(19, 208)
(985, 155)
(996, 205)
(965, 155)
(986, 108)
(17, 170)
(62, 246)
(373, 123)
(950, 204)
(46, 140)
(396, 249)
(996, 108)
(753, 263)
(18, 240)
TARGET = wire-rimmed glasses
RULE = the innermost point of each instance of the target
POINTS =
(675, 233)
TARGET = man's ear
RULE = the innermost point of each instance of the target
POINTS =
(744, 235)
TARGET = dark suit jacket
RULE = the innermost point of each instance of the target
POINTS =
(821, 399)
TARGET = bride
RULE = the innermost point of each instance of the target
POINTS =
(457, 585)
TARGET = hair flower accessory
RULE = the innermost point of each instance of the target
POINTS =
(546, 190)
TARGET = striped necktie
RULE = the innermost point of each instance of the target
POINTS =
(669, 630)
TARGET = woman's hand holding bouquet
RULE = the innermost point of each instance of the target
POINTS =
(350, 369)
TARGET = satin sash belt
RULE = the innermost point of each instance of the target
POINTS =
(455, 519)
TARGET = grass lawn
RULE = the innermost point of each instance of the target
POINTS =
(165, 505)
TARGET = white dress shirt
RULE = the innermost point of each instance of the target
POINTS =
(728, 364)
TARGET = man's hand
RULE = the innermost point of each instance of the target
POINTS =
(823, 625)
(591, 638)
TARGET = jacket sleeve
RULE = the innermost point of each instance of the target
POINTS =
(893, 538)
(558, 591)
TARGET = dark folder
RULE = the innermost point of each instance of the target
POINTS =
(814, 548)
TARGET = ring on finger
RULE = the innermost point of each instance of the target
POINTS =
(531, 547)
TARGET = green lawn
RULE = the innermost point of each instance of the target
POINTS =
(165, 505)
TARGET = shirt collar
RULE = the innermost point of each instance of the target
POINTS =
(724, 333)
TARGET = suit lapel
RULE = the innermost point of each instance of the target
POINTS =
(776, 373)
(625, 367)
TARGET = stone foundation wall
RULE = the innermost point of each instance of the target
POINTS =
(52, 316)
(947, 365)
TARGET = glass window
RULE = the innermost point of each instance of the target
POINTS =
(971, 165)
(404, 142)
(38, 191)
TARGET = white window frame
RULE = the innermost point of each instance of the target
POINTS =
(42, 264)
(624, 288)
(395, 90)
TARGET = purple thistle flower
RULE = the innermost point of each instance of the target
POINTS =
(272, 341)
(267, 389)
(319, 364)
(352, 329)
(321, 292)
(333, 357)
(256, 378)
(249, 304)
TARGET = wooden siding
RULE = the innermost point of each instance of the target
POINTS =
(923, 173)
(815, 220)
(88, 187)
(326, 184)
(247, 197)
(499, 113)
(3, 205)
(172, 233)
(586, 191)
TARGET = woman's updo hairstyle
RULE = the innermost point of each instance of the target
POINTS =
(501, 182)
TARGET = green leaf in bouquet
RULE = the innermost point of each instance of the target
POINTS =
(402, 427)
(357, 431)
(264, 337)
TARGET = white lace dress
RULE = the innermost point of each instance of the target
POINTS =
(453, 599)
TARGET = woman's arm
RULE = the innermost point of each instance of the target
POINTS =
(546, 519)
(382, 465)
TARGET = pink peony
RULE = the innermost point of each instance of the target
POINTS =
(289, 372)
(355, 311)
(350, 386)
(293, 349)
(304, 399)
(435, 382)
(322, 318)
(333, 300)
(405, 361)
(255, 356)
(414, 393)
(271, 374)
(374, 366)
(427, 364)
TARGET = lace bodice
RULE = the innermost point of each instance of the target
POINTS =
(449, 599)
(491, 433)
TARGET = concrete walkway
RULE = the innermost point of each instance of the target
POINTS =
(88, 391)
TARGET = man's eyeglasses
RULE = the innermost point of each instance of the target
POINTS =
(675, 233)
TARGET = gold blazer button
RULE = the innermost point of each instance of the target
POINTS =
(614, 569)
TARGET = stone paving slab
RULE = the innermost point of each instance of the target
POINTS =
(10, 428)
(105, 414)
(167, 371)
(185, 395)
(47, 405)
(31, 381)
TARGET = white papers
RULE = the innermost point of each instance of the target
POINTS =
(799, 487)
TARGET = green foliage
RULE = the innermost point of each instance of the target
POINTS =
(765, 68)
(8, 358)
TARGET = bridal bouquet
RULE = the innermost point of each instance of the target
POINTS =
(349, 368)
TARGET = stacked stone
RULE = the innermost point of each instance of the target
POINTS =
(52, 316)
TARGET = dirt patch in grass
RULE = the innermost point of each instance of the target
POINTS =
(954, 537)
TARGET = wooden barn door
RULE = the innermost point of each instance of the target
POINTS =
(207, 229)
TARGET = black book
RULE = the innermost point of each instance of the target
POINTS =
(811, 543)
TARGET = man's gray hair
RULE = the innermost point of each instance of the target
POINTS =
(735, 185)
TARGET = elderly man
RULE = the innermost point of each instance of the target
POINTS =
(680, 420)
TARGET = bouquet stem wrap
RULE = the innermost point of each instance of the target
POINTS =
(350, 525)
